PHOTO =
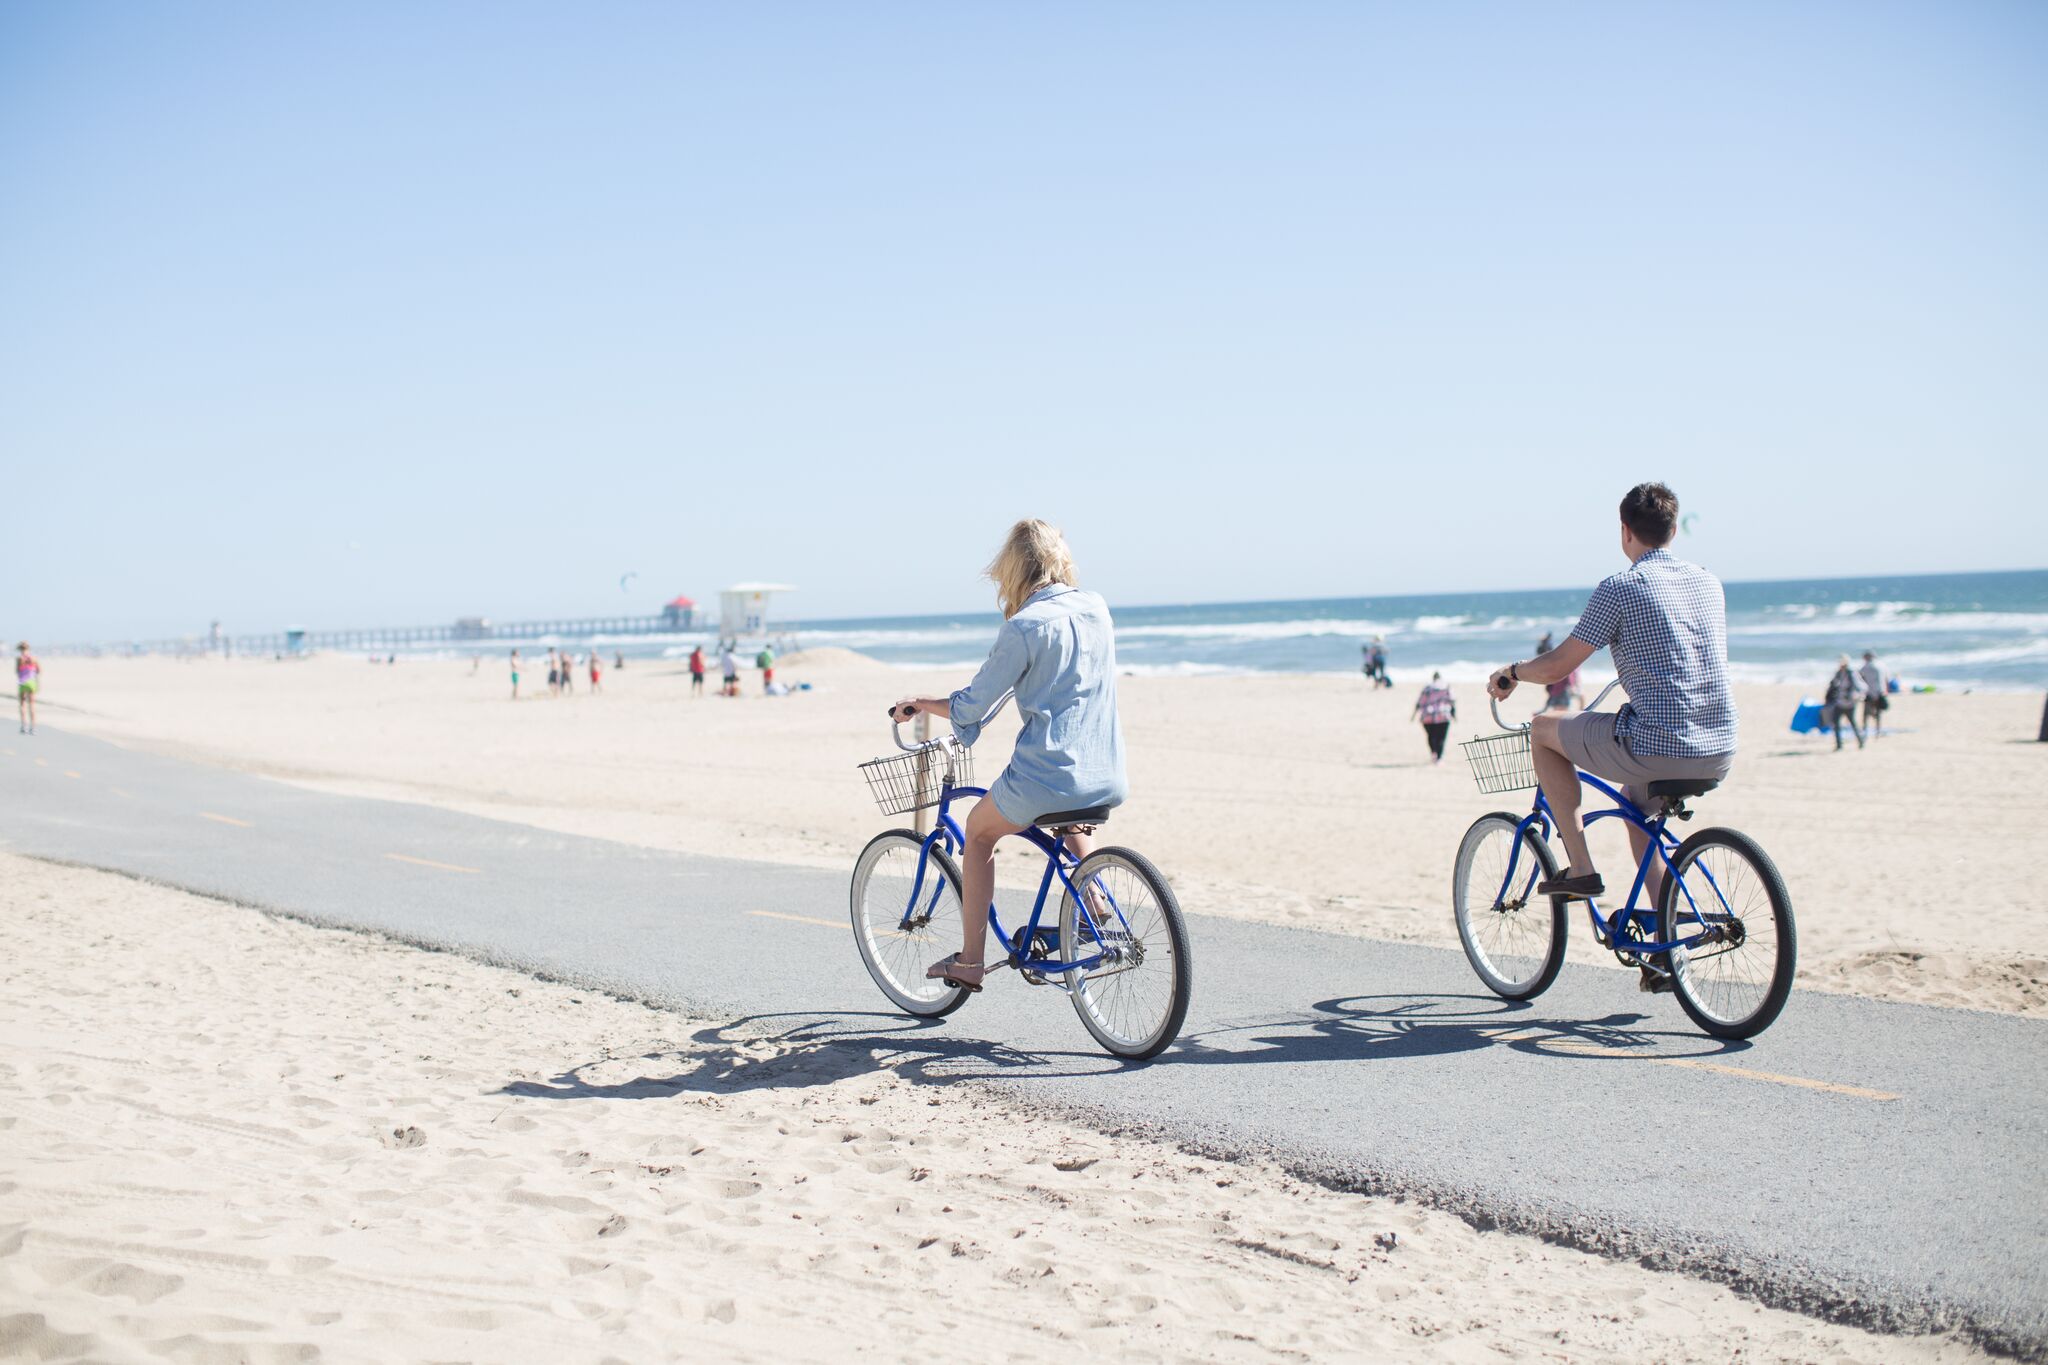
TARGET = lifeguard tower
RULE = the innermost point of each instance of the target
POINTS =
(743, 610)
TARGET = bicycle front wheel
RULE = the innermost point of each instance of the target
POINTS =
(1724, 890)
(1512, 938)
(1135, 1001)
(899, 939)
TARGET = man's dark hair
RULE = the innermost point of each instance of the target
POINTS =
(1651, 511)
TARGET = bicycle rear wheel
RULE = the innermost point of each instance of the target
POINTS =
(1723, 885)
(1514, 940)
(1134, 1003)
(896, 953)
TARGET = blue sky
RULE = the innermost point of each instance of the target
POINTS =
(358, 314)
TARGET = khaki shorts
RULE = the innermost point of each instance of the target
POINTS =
(1588, 740)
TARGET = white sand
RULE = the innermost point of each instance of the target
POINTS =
(1299, 800)
(225, 1137)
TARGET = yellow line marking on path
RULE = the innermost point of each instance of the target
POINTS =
(801, 919)
(1804, 1083)
(118, 791)
(42, 763)
(429, 862)
(223, 819)
(1832, 1087)
(69, 773)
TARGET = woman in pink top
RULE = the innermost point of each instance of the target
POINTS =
(1437, 710)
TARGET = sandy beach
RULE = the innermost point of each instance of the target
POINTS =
(1294, 799)
(234, 1137)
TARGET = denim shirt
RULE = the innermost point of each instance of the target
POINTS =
(1058, 653)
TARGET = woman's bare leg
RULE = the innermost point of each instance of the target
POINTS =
(985, 827)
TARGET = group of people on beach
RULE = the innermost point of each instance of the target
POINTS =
(1848, 689)
(562, 666)
(729, 670)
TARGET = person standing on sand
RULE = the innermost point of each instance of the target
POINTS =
(568, 673)
(765, 661)
(515, 675)
(696, 670)
(1666, 624)
(1875, 702)
(28, 680)
(554, 675)
(1437, 709)
(1845, 689)
(729, 665)
(1056, 652)
(596, 674)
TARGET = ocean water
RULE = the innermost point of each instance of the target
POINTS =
(1954, 631)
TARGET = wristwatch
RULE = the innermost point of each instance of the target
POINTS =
(1513, 674)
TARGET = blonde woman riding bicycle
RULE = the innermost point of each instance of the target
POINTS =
(1057, 654)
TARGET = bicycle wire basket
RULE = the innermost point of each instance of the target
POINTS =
(1502, 763)
(902, 783)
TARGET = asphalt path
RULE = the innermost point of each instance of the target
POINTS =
(1872, 1163)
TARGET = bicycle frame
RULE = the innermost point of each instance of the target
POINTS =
(1059, 861)
(1607, 929)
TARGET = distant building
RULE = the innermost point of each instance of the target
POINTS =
(679, 614)
(743, 609)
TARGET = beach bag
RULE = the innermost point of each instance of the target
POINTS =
(1807, 718)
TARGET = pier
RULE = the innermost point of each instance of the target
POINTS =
(468, 631)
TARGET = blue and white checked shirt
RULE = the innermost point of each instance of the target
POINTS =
(1667, 623)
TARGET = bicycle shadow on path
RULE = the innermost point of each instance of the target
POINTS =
(803, 1049)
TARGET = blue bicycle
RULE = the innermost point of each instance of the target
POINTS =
(1721, 936)
(1119, 946)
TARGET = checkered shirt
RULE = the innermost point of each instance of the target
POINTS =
(1667, 623)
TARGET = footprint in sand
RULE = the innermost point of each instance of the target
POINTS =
(401, 1138)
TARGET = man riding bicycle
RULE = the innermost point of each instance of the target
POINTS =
(1665, 621)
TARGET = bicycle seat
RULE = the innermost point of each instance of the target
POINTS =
(1093, 815)
(1677, 789)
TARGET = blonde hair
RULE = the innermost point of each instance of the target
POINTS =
(1033, 555)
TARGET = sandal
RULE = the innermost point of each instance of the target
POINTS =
(942, 970)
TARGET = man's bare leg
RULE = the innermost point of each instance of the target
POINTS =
(1559, 777)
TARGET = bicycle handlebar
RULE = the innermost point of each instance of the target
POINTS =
(896, 727)
(1493, 702)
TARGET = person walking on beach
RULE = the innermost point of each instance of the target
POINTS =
(1666, 624)
(1563, 694)
(1056, 651)
(729, 666)
(554, 675)
(515, 675)
(697, 670)
(1376, 663)
(568, 673)
(1845, 689)
(28, 680)
(765, 661)
(596, 674)
(1875, 702)
(1437, 709)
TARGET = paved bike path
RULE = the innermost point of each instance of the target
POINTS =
(1877, 1163)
